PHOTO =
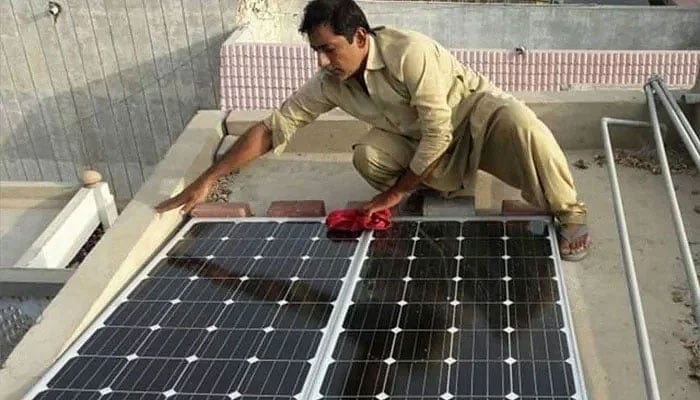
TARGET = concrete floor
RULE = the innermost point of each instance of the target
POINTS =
(597, 287)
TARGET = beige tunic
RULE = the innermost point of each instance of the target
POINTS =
(425, 105)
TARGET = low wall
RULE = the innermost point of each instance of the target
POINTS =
(261, 76)
(574, 118)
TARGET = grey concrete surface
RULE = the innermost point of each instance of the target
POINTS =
(596, 286)
(598, 290)
(502, 26)
(573, 117)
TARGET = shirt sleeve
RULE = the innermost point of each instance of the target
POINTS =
(298, 110)
(428, 89)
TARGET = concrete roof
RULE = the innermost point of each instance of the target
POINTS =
(596, 286)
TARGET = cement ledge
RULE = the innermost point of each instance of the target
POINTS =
(573, 116)
(137, 234)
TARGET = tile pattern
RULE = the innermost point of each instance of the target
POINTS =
(260, 76)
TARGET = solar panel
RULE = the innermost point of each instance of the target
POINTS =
(283, 309)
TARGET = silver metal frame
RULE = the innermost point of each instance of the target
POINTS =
(72, 351)
(577, 365)
(652, 386)
(314, 380)
(331, 332)
(689, 137)
(686, 255)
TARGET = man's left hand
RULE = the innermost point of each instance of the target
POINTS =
(382, 202)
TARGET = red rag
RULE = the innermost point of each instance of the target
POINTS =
(353, 220)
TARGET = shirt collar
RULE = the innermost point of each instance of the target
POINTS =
(374, 57)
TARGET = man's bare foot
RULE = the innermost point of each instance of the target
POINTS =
(574, 241)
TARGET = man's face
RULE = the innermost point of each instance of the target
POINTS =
(335, 54)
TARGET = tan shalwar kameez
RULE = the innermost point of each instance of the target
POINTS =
(424, 105)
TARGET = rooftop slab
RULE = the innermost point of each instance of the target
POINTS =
(596, 287)
(573, 116)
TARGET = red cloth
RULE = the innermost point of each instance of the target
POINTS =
(355, 220)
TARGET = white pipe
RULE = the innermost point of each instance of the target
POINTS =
(652, 386)
(686, 255)
(677, 109)
(685, 135)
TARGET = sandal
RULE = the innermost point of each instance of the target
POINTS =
(577, 234)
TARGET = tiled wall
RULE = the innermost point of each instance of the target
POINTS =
(260, 76)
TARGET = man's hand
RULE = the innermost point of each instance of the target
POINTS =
(192, 195)
(382, 201)
(255, 142)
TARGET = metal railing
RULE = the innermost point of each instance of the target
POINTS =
(690, 139)
(687, 136)
(686, 132)
(652, 386)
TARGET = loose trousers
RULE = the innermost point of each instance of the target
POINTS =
(503, 137)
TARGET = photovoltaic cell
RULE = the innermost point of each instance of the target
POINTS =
(232, 310)
(455, 310)
(268, 310)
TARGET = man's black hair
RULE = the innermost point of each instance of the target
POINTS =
(342, 16)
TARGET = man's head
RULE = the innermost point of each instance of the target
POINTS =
(337, 31)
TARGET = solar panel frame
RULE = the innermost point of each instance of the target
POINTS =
(323, 357)
(143, 274)
(562, 302)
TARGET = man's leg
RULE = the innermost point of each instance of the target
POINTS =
(520, 150)
(381, 158)
(376, 166)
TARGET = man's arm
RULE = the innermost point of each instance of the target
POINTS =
(407, 183)
(273, 133)
(255, 142)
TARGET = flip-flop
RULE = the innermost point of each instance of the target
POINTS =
(579, 233)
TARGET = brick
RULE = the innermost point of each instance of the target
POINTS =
(221, 210)
(297, 209)
(519, 207)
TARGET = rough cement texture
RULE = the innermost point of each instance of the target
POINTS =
(290, 176)
(502, 27)
(574, 118)
(136, 235)
(597, 287)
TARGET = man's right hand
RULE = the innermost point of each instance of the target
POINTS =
(255, 142)
(192, 195)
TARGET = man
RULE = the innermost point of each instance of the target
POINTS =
(435, 122)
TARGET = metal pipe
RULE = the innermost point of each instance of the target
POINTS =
(652, 386)
(686, 255)
(677, 109)
(685, 135)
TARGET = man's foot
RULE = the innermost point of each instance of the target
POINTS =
(574, 241)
